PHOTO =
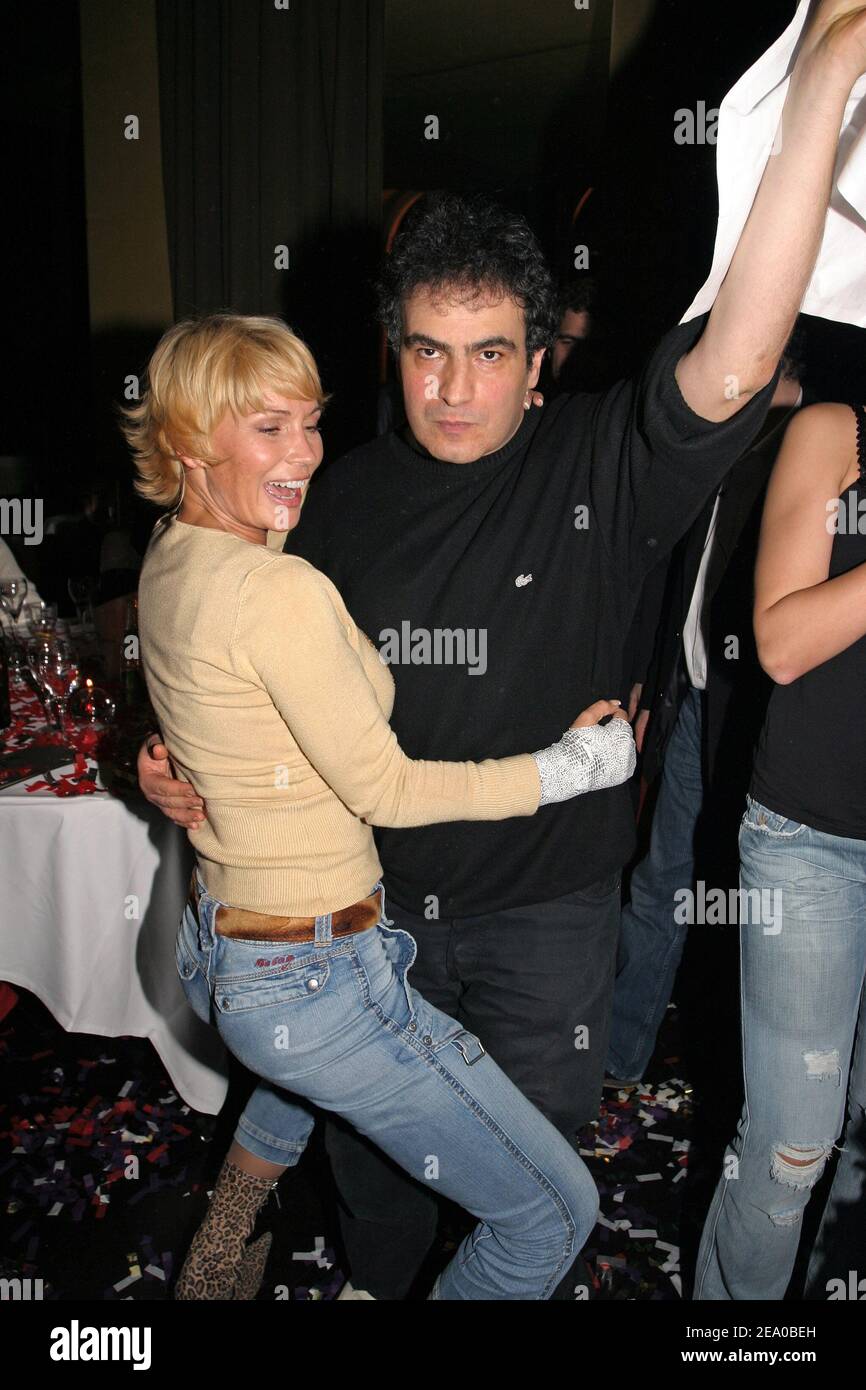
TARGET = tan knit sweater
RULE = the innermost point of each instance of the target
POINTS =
(275, 707)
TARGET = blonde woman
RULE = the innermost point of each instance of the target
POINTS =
(275, 708)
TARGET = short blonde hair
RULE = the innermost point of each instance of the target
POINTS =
(200, 370)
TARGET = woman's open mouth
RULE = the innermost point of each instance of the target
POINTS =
(288, 493)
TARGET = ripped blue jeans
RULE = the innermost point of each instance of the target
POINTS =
(803, 964)
(335, 1022)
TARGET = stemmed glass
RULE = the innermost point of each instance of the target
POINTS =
(55, 669)
(42, 620)
(38, 651)
(12, 595)
(92, 705)
(83, 592)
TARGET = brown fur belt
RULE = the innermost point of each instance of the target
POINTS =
(240, 924)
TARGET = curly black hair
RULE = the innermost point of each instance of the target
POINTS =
(578, 295)
(449, 242)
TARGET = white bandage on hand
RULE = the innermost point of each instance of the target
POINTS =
(585, 760)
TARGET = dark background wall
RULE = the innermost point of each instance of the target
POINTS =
(46, 322)
(519, 90)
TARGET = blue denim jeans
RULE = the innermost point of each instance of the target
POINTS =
(803, 963)
(651, 942)
(525, 981)
(335, 1022)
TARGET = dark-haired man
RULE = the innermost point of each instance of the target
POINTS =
(575, 310)
(535, 528)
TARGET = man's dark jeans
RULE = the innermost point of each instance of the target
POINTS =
(535, 984)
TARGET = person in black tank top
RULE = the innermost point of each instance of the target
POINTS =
(803, 884)
(820, 779)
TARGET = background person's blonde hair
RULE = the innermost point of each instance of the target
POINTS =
(199, 370)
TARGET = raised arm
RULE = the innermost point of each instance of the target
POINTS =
(757, 304)
(803, 618)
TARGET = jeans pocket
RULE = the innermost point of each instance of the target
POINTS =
(192, 978)
(763, 821)
(186, 965)
(281, 981)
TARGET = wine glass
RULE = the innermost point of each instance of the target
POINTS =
(12, 595)
(83, 592)
(16, 657)
(91, 704)
(54, 667)
(42, 619)
(38, 653)
(60, 674)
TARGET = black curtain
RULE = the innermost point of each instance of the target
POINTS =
(272, 137)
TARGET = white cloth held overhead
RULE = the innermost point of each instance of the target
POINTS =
(748, 124)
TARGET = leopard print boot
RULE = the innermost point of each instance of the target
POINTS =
(220, 1265)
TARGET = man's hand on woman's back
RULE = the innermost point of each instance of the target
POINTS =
(175, 799)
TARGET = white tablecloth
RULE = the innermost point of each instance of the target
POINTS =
(91, 893)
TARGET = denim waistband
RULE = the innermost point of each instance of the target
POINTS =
(207, 910)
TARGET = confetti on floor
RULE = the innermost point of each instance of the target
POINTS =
(105, 1175)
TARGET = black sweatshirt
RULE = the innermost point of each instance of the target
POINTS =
(512, 582)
